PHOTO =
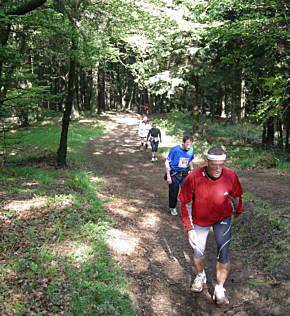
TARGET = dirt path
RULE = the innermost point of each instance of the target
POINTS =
(151, 245)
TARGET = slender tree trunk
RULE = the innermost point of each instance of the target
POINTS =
(287, 148)
(130, 93)
(264, 135)
(62, 150)
(212, 108)
(234, 115)
(223, 112)
(195, 108)
(270, 132)
(280, 134)
(101, 91)
(94, 97)
(88, 83)
(119, 89)
(243, 98)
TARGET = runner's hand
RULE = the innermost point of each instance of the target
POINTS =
(168, 180)
(192, 237)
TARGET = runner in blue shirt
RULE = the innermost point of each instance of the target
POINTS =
(178, 164)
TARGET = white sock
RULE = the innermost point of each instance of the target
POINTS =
(218, 287)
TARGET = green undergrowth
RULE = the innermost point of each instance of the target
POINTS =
(262, 233)
(54, 256)
(241, 141)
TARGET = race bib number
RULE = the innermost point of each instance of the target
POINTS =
(183, 162)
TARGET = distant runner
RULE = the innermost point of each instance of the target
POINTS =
(143, 129)
(152, 136)
(216, 195)
(178, 164)
(146, 108)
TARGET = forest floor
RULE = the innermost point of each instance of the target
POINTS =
(151, 245)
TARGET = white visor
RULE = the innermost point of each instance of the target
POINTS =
(216, 157)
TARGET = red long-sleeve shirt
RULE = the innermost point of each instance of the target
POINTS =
(211, 201)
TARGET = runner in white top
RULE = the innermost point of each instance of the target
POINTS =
(144, 127)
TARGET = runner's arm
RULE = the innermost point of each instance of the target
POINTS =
(191, 165)
(237, 205)
(186, 215)
(167, 170)
(236, 197)
(185, 197)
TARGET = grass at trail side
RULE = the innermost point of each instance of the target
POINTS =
(261, 235)
(53, 253)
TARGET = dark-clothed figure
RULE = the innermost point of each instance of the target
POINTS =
(154, 135)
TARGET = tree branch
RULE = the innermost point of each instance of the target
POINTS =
(27, 7)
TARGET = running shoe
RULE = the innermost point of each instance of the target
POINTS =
(199, 281)
(173, 212)
(219, 295)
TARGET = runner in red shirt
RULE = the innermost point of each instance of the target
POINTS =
(146, 109)
(215, 193)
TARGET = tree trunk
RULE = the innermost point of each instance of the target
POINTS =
(234, 115)
(94, 94)
(280, 134)
(243, 99)
(101, 91)
(223, 112)
(268, 138)
(62, 150)
(287, 149)
(195, 109)
(264, 135)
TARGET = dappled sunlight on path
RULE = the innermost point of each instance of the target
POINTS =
(149, 244)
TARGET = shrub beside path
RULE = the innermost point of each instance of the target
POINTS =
(150, 245)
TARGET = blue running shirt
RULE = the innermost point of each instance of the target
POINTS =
(179, 159)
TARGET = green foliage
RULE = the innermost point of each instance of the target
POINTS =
(243, 133)
(282, 164)
(251, 157)
(275, 94)
(176, 123)
(234, 138)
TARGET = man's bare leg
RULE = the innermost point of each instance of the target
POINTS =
(199, 264)
(200, 279)
(222, 272)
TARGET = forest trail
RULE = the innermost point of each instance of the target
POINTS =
(150, 245)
